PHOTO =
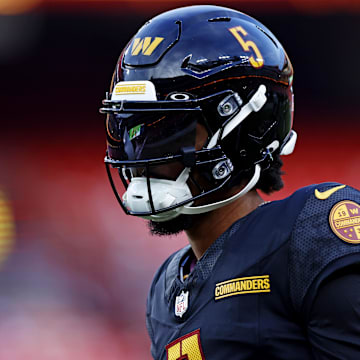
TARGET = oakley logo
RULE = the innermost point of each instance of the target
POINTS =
(146, 45)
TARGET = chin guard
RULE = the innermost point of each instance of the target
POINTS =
(159, 195)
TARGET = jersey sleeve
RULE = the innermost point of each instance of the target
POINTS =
(333, 326)
(325, 239)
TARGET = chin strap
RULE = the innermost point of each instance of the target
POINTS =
(256, 102)
(190, 210)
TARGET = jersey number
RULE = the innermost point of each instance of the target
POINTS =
(188, 347)
(239, 32)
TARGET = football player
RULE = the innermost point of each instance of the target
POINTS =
(199, 112)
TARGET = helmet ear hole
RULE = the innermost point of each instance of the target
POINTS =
(229, 105)
(222, 169)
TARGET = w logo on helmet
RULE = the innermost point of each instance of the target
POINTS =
(146, 46)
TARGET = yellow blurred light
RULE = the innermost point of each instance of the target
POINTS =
(13, 7)
(7, 228)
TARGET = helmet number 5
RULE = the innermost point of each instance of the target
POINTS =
(239, 32)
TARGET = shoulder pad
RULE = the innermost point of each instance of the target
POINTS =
(327, 229)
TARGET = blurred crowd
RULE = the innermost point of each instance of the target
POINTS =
(74, 270)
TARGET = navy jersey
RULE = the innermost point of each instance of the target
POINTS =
(262, 289)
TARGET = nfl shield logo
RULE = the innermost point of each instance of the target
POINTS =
(181, 303)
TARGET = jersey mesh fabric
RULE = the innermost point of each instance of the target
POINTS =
(313, 245)
(205, 265)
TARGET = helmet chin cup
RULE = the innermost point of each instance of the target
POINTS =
(222, 169)
(162, 193)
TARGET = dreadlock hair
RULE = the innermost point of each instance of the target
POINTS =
(271, 178)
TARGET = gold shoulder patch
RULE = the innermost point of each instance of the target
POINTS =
(326, 194)
(244, 285)
(344, 221)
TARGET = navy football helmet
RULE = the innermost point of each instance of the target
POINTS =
(186, 70)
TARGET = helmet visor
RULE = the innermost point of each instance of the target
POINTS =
(150, 135)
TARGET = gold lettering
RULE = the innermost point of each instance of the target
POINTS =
(261, 284)
(242, 286)
(248, 284)
(255, 284)
(266, 284)
(347, 222)
(132, 89)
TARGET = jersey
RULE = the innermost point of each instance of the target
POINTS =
(251, 295)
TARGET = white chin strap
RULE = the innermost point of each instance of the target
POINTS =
(190, 210)
(256, 102)
(166, 193)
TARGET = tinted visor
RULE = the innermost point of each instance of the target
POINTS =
(149, 135)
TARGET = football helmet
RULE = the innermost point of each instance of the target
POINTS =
(186, 70)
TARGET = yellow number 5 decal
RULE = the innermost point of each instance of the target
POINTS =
(188, 347)
(248, 45)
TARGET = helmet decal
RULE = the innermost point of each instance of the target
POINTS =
(146, 45)
(249, 46)
(134, 90)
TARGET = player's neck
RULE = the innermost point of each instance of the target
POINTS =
(211, 225)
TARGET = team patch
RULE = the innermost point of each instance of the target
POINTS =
(126, 89)
(134, 91)
(245, 285)
(344, 221)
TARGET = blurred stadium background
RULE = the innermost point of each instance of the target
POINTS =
(75, 271)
